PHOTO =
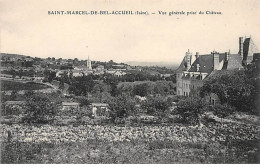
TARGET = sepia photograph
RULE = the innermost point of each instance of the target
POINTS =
(129, 81)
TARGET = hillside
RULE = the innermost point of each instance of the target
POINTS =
(12, 55)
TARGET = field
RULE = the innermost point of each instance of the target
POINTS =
(213, 143)
(16, 85)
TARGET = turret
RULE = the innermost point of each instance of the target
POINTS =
(188, 59)
(226, 56)
(215, 60)
(241, 45)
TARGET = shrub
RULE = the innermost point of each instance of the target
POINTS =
(223, 110)
(122, 105)
(39, 109)
(155, 105)
(190, 110)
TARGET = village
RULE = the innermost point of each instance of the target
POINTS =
(209, 103)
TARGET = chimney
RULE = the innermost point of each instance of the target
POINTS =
(188, 59)
(241, 45)
(215, 60)
(197, 55)
(226, 56)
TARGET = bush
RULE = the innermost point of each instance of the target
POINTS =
(223, 110)
(236, 88)
(123, 105)
(155, 105)
(39, 109)
(190, 110)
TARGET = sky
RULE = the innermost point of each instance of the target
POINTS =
(26, 28)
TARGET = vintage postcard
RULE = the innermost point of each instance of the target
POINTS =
(129, 81)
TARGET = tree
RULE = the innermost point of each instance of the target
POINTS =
(141, 89)
(122, 105)
(191, 109)
(112, 81)
(101, 87)
(232, 87)
(81, 86)
(49, 75)
(13, 95)
(222, 110)
(83, 101)
(39, 108)
(155, 105)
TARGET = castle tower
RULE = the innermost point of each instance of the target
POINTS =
(241, 46)
(188, 57)
(89, 66)
(215, 60)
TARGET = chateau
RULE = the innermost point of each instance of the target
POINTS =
(194, 69)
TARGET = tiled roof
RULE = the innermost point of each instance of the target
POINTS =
(99, 104)
(256, 57)
(234, 62)
(182, 66)
(248, 48)
(205, 63)
(70, 104)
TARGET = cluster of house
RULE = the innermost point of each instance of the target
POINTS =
(99, 70)
(77, 68)
(194, 69)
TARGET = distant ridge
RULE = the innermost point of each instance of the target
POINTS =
(170, 65)
(12, 55)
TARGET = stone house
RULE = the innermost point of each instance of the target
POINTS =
(69, 105)
(193, 70)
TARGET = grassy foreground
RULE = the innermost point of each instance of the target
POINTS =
(128, 152)
(241, 145)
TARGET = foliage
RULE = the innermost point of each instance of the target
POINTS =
(223, 110)
(145, 88)
(146, 144)
(81, 86)
(16, 86)
(49, 75)
(191, 109)
(122, 105)
(141, 89)
(39, 109)
(171, 78)
(155, 104)
(112, 81)
(164, 87)
(83, 101)
(232, 87)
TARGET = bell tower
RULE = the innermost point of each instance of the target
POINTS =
(89, 66)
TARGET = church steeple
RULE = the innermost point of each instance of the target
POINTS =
(89, 66)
